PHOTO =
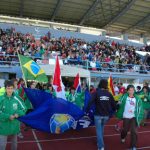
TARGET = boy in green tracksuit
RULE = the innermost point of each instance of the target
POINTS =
(76, 98)
(145, 97)
(132, 112)
(11, 107)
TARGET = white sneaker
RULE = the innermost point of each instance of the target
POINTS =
(20, 135)
(117, 128)
(101, 148)
(123, 140)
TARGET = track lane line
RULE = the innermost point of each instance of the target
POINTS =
(75, 138)
(36, 140)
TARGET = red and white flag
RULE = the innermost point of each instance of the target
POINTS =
(57, 82)
(77, 83)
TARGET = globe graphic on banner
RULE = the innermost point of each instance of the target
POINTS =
(60, 123)
(35, 68)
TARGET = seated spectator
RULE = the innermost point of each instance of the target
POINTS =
(75, 51)
(93, 64)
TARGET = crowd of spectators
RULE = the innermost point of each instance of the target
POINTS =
(97, 55)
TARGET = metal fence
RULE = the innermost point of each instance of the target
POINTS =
(86, 64)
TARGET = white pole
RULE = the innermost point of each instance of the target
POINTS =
(22, 70)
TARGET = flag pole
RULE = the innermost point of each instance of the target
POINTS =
(22, 70)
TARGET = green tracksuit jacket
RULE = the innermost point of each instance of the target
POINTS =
(10, 106)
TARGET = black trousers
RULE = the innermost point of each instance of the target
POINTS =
(130, 124)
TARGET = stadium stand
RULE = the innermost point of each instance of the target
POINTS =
(96, 55)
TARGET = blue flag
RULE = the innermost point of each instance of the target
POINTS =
(37, 97)
(53, 115)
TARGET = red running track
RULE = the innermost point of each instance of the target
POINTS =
(84, 139)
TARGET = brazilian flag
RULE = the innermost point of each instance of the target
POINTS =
(32, 70)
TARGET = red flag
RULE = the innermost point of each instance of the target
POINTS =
(76, 81)
(57, 76)
(111, 86)
(77, 84)
(57, 82)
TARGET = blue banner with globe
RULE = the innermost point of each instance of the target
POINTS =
(60, 123)
(54, 115)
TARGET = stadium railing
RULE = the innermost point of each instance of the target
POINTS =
(86, 64)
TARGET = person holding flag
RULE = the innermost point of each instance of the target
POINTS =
(11, 107)
(76, 96)
(72, 95)
(31, 72)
